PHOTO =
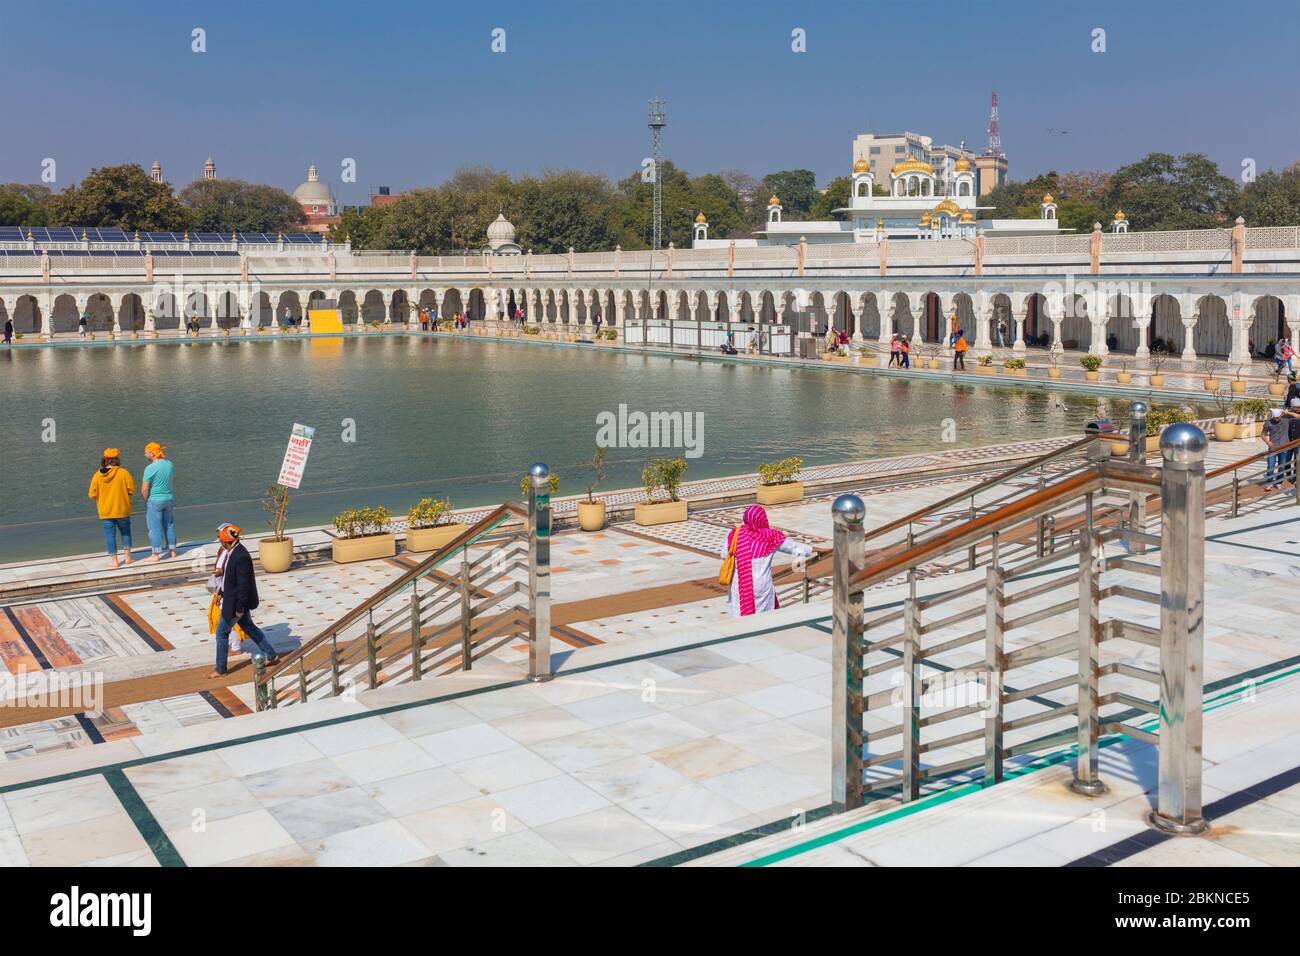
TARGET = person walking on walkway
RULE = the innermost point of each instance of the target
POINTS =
(1002, 334)
(157, 492)
(1293, 434)
(905, 352)
(1276, 434)
(753, 544)
(238, 589)
(9, 330)
(83, 323)
(111, 489)
(895, 352)
(959, 350)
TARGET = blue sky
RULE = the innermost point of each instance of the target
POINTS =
(413, 90)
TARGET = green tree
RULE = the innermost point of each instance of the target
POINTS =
(232, 205)
(633, 212)
(1161, 191)
(123, 196)
(23, 205)
(835, 196)
(420, 219)
(796, 188)
(565, 208)
(721, 204)
(1272, 199)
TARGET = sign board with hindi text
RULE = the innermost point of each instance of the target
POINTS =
(295, 456)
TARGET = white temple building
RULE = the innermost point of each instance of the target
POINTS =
(921, 203)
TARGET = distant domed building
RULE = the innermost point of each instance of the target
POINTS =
(317, 202)
(501, 237)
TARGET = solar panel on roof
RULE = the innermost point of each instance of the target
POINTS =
(208, 237)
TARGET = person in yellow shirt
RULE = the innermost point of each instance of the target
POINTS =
(111, 489)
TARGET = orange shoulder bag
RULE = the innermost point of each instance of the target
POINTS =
(728, 570)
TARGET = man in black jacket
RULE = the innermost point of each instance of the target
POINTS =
(238, 591)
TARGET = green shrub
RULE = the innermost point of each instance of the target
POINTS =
(1090, 362)
(428, 513)
(532, 330)
(665, 473)
(1158, 418)
(1251, 409)
(1014, 363)
(363, 522)
(985, 360)
(608, 335)
(781, 472)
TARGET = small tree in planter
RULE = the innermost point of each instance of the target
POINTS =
(1015, 366)
(1225, 429)
(780, 481)
(1212, 369)
(1053, 363)
(364, 533)
(1159, 356)
(666, 474)
(591, 513)
(275, 551)
(1277, 387)
(1091, 366)
(429, 525)
(1124, 376)
(984, 364)
(1238, 384)
(1250, 412)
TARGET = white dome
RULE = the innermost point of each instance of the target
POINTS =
(500, 231)
(314, 192)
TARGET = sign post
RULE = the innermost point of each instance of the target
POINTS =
(295, 456)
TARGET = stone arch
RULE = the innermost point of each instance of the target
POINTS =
(64, 316)
(225, 310)
(935, 322)
(1121, 330)
(1212, 334)
(868, 317)
(1000, 312)
(399, 309)
(1268, 323)
(25, 312)
(99, 308)
(1166, 324)
(903, 320)
(1076, 327)
(166, 312)
(965, 309)
(476, 307)
(842, 313)
(451, 304)
(370, 307)
(288, 301)
(1037, 321)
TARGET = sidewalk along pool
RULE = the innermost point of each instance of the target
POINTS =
(399, 418)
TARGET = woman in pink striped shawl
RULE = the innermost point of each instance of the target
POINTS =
(751, 585)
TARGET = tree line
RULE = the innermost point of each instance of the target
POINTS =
(563, 209)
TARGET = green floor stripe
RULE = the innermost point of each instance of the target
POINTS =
(160, 846)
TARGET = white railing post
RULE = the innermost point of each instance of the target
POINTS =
(1182, 622)
(847, 655)
(539, 573)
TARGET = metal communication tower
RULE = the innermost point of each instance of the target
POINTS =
(995, 136)
(658, 120)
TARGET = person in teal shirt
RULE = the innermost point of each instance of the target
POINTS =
(157, 491)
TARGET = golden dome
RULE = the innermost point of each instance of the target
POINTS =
(967, 216)
(1047, 199)
(860, 165)
(83, 235)
(700, 218)
(774, 201)
(912, 166)
(925, 220)
(962, 165)
(1119, 215)
(947, 207)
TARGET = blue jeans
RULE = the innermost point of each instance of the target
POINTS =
(112, 526)
(251, 631)
(162, 528)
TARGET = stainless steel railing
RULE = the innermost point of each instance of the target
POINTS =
(1062, 648)
(434, 621)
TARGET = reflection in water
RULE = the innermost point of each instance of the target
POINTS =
(435, 417)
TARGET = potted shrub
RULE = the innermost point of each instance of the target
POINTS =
(1015, 366)
(1158, 358)
(1211, 368)
(780, 482)
(1250, 414)
(1225, 429)
(429, 525)
(1277, 387)
(591, 513)
(362, 534)
(984, 365)
(532, 330)
(1053, 364)
(275, 552)
(1123, 376)
(662, 474)
(1238, 384)
(1091, 367)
